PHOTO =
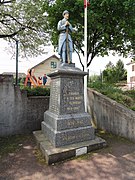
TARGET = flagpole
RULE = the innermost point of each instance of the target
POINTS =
(85, 57)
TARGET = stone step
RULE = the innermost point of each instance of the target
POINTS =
(54, 155)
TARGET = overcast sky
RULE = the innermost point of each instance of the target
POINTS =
(8, 64)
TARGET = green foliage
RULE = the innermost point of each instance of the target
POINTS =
(95, 85)
(104, 88)
(121, 98)
(26, 22)
(37, 91)
(127, 98)
(111, 25)
(22, 80)
(113, 74)
(94, 78)
(131, 93)
(133, 108)
(121, 73)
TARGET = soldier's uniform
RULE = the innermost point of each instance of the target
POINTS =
(62, 49)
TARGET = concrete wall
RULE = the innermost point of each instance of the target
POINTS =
(19, 113)
(111, 116)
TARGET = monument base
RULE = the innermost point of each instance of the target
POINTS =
(67, 129)
(54, 155)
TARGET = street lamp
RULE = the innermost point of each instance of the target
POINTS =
(16, 82)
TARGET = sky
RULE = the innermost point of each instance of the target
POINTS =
(8, 63)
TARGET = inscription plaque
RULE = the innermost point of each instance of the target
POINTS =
(72, 96)
(81, 151)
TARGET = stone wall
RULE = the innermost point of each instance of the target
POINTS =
(18, 113)
(111, 116)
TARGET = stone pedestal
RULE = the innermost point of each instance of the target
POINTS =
(66, 121)
(66, 124)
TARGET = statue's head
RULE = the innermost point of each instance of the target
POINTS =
(66, 14)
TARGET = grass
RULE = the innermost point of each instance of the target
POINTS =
(39, 156)
(127, 98)
(12, 144)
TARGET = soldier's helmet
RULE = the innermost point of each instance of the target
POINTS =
(65, 12)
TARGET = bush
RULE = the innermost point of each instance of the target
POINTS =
(37, 91)
(130, 93)
(133, 108)
(121, 98)
(95, 85)
(126, 98)
(104, 88)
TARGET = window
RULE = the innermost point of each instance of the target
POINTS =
(133, 67)
(53, 65)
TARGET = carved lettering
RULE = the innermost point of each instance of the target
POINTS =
(73, 137)
(72, 108)
(75, 123)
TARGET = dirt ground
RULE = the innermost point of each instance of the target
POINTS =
(116, 162)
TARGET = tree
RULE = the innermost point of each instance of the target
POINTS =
(26, 22)
(121, 73)
(113, 74)
(111, 25)
(109, 73)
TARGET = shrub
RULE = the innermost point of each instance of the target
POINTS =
(104, 88)
(133, 108)
(37, 91)
(121, 98)
(130, 93)
(126, 98)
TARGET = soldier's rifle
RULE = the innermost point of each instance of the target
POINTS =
(67, 44)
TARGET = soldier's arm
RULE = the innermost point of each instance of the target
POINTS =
(61, 27)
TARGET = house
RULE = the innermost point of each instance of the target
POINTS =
(131, 75)
(45, 67)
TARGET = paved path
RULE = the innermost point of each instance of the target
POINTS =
(116, 162)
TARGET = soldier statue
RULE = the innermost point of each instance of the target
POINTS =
(65, 48)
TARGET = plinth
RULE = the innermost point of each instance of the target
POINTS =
(66, 124)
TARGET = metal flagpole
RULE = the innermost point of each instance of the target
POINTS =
(16, 82)
(85, 55)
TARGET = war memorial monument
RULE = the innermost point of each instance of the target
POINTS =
(66, 131)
